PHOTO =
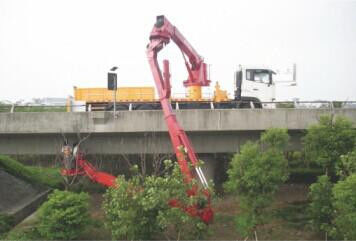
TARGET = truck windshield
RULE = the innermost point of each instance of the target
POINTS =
(259, 75)
(262, 76)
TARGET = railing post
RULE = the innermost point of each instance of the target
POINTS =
(331, 104)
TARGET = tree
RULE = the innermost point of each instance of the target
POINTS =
(64, 216)
(347, 165)
(138, 207)
(255, 175)
(326, 141)
(344, 202)
(275, 138)
(320, 207)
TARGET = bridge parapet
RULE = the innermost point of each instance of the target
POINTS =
(152, 121)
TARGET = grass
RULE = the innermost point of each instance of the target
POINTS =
(49, 177)
(7, 108)
(40, 109)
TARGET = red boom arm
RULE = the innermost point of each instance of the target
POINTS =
(83, 167)
(162, 32)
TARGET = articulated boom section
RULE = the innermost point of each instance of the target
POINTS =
(163, 31)
(83, 167)
(160, 36)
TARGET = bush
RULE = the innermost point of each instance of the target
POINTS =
(347, 165)
(275, 138)
(326, 141)
(6, 223)
(344, 202)
(64, 216)
(320, 207)
(255, 174)
(295, 159)
(138, 208)
(25, 234)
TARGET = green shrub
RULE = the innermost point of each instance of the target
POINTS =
(245, 223)
(295, 159)
(138, 208)
(344, 202)
(347, 165)
(255, 175)
(326, 141)
(6, 223)
(320, 207)
(64, 216)
(24, 234)
(275, 138)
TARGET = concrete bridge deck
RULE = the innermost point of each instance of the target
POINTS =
(133, 132)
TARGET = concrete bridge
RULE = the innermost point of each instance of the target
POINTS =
(144, 132)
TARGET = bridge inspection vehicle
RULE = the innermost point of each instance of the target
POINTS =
(161, 34)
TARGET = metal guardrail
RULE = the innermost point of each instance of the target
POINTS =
(248, 104)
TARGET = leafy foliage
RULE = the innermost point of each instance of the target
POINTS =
(138, 207)
(6, 222)
(344, 202)
(320, 207)
(25, 234)
(275, 138)
(326, 141)
(255, 175)
(331, 144)
(347, 165)
(245, 222)
(64, 216)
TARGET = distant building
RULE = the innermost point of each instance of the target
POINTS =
(53, 101)
(5, 102)
(48, 101)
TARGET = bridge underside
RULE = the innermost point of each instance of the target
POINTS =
(132, 143)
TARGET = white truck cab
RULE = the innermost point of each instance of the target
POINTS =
(256, 83)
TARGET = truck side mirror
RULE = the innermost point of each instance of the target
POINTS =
(112, 81)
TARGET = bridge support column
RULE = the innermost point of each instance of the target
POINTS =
(209, 167)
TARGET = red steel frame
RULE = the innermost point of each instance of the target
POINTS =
(161, 34)
(85, 168)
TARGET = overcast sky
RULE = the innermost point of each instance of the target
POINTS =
(48, 46)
